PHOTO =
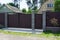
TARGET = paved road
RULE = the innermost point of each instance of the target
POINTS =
(11, 37)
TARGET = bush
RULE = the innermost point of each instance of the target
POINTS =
(29, 11)
(24, 10)
(48, 31)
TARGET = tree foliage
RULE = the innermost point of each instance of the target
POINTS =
(32, 4)
(57, 6)
(12, 4)
(42, 1)
(29, 11)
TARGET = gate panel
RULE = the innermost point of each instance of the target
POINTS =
(50, 16)
(12, 20)
(2, 19)
(38, 21)
(24, 20)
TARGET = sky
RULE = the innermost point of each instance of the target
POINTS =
(5, 1)
(22, 3)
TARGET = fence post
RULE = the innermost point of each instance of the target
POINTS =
(33, 22)
(44, 20)
(5, 20)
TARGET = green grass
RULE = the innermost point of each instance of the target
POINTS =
(48, 34)
(44, 34)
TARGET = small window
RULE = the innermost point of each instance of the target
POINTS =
(49, 5)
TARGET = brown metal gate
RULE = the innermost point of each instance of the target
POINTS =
(24, 21)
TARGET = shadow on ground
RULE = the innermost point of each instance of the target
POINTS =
(54, 33)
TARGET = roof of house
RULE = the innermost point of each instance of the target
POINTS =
(44, 6)
(9, 8)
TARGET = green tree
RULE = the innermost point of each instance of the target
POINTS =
(24, 10)
(57, 6)
(32, 4)
(42, 1)
(17, 3)
(12, 4)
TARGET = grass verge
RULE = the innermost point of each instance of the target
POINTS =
(44, 34)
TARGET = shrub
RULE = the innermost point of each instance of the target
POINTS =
(1, 26)
(24, 10)
(29, 11)
(48, 31)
